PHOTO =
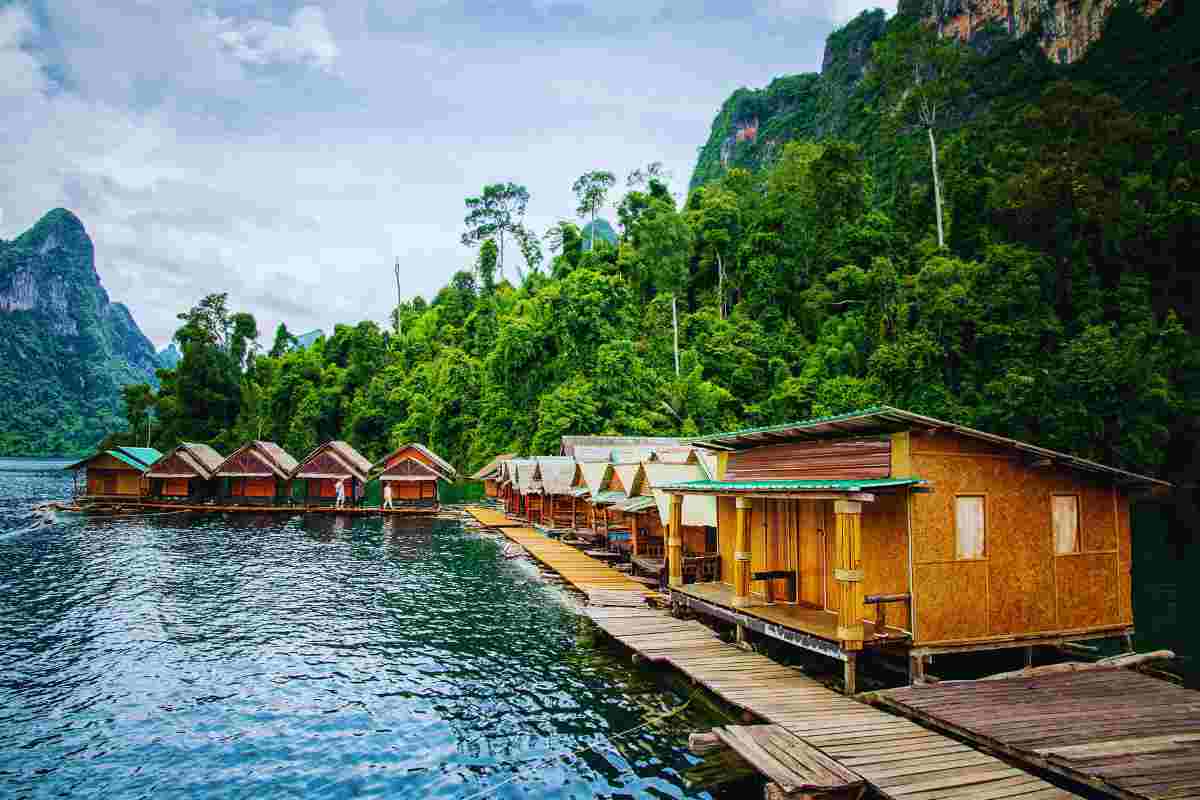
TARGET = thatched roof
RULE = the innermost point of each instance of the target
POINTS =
(187, 460)
(273, 457)
(491, 470)
(353, 463)
(557, 473)
(569, 443)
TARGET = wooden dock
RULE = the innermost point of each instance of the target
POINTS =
(1124, 733)
(601, 583)
(900, 759)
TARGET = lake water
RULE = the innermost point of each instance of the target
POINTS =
(253, 656)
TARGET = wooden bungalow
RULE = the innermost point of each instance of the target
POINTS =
(887, 529)
(315, 480)
(557, 476)
(490, 475)
(257, 474)
(415, 473)
(650, 506)
(614, 492)
(506, 491)
(187, 474)
(528, 488)
(114, 474)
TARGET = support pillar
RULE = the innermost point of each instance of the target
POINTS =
(850, 675)
(848, 573)
(741, 554)
(574, 522)
(675, 542)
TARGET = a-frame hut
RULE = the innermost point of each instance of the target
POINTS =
(114, 474)
(490, 475)
(505, 486)
(415, 473)
(187, 474)
(257, 474)
(315, 480)
(651, 506)
(593, 468)
(528, 488)
(557, 475)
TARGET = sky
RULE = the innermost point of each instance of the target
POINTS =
(289, 152)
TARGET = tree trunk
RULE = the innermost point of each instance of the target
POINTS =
(720, 283)
(937, 187)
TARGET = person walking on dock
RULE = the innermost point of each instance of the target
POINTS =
(341, 493)
(387, 495)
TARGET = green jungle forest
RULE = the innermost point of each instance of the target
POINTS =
(1043, 288)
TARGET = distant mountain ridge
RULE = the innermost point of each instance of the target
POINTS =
(65, 349)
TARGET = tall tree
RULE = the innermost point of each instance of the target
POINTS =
(497, 213)
(921, 78)
(591, 189)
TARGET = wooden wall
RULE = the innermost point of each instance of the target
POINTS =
(1020, 587)
(413, 490)
(489, 488)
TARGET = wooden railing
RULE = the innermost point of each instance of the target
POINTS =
(880, 601)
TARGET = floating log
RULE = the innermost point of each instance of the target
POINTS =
(701, 743)
(1112, 662)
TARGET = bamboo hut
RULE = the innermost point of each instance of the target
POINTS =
(187, 474)
(506, 486)
(651, 506)
(114, 474)
(256, 474)
(315, 479)
(557, 476)
(415, 474)
(589, 484)
(527, 487)
(884, 529)
(490, 475)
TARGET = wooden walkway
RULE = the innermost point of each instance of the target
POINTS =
(898, 758)
(602, 584)
(1127, 734)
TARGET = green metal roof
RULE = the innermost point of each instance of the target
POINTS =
(788, 426)
(609, 497)
(147, 455)
(789, 486)
(635, 504)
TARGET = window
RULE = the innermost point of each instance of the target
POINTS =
(1065, 512)
(969, 526)
(710, 539)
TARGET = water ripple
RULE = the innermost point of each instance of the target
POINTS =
(257, 656)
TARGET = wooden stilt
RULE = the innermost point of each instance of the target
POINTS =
(916, 670)
(851, 672)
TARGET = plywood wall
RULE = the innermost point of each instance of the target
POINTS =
(726, 536)
(1020, 587)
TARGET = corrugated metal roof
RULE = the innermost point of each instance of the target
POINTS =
(635, 504)
(491, 467)
(569, 443)
(608, 498)
(126, 458)
(737, 487)
(557, 473)
(133, 456)
(580, 491)
(885, 419)
(593, 454)
(145, 455)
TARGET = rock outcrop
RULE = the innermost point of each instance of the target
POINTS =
(65, 349)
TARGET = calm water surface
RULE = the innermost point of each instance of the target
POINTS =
(261, 657)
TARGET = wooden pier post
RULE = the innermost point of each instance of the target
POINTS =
(675, 542)
(741, 554)
(847, 571)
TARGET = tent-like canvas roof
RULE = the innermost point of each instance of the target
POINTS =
(697, 509)
(557, 473)
(274, 461)
(627, 473)
(885, 419)
(593, 475)
(491, 470)
(336, 459)
(187, 460)
(525, 475)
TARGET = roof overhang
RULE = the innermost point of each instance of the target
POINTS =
(862, 490)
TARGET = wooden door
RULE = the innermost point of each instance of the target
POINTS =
(809, 522)
(109, 483)
(830, 522)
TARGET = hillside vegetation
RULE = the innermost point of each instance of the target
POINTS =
(1061, 309)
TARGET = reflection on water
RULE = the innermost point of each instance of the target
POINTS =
(320, 656)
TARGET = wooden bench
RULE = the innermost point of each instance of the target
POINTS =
(770, 575)
(796, 769)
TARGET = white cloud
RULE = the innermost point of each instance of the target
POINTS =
(839, 11)
(305, 39)
(20, 72)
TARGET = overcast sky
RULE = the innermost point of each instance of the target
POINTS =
(287, 153)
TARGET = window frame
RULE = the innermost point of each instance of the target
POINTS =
(1078, 524)
(983, 556)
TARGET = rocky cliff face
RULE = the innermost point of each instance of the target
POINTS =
(753, 124)
(65, 349)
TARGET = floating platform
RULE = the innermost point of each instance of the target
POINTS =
(1118, 731)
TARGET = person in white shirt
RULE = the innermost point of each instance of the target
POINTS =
(341, 493)
(387, 495)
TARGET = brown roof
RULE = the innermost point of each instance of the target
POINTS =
(492, 466)
(281, 464)
(440, 464)
(200, 458)
(353, 460)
